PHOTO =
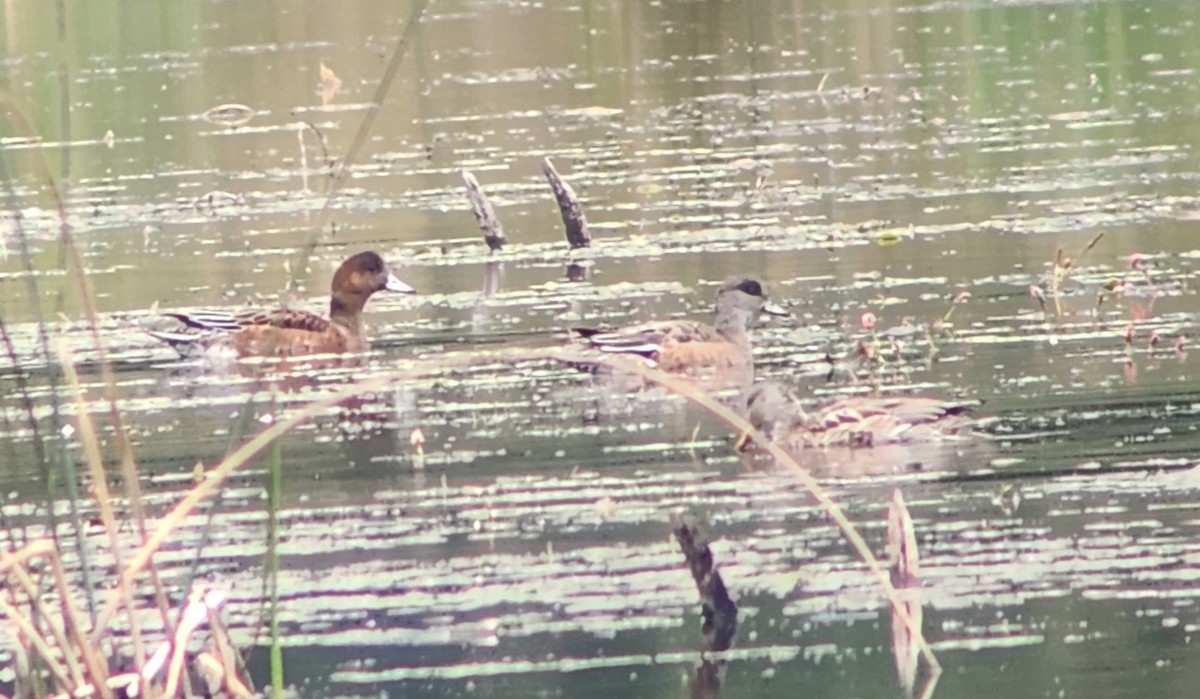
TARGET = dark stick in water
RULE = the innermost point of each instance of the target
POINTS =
(572, 212)
(489, 224)
(718, 609)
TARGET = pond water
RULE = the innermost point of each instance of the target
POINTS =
(867, 156)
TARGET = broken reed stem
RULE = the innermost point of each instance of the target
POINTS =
(573, 218)
(485, 213)
(718, 609)
(1074, 262)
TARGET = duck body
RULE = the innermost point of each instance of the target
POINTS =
(290, 332)
(869, 422)
(279, 333)
(858, 422)
(680, 346)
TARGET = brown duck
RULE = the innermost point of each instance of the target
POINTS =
(288, 332)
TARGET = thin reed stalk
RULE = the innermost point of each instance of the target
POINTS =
(14, 565)
(802, 475)
(275, 491)
(342, 171)
(72, 622)
(95, 462)
(39, 447)
(87, 305)
(21, 125)
(266, 437)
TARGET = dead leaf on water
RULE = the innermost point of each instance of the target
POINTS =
(606, 507)
(329, 84)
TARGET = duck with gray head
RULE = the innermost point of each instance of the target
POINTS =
(688, 346)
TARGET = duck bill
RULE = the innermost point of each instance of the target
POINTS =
(394, 284)
(774, 309)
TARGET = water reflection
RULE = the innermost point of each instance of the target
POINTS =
(578, 272)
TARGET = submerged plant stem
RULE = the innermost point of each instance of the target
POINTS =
(275, 470)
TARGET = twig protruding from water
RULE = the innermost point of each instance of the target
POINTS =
(902, 543)
(718, 609)
(578, 235)
(903, 566)
(489, 224)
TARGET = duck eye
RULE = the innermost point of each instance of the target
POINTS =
(751, 287)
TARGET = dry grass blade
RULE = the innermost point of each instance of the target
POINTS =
(902, 542)
(230, 661)
(88, 306)
(14, 565)
(905, 564)
(44, 649)
(739, 425)
(96, 669)
(218, 474)
(90, 442)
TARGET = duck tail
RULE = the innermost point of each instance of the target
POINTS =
(649, 350)
(587, 333)
(618, 343)
(207, 320)
(183, 342)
